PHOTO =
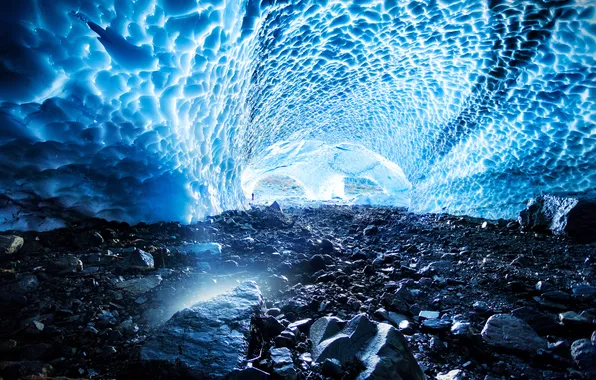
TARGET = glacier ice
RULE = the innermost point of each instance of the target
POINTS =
(154, 110)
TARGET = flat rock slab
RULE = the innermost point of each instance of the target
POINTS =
(380, 347)
(209, 338)
(507, 332)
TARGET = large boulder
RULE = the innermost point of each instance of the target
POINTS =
(210, 338)
(570, 216)
(506, 332)
(380, 347)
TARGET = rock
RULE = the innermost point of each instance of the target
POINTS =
(381, 348)
(69, 263)
(584, 291)
(211, 337)
(10, 244)
(270, 327)
(317, 263)
(571, 318)
(557, 296)
(301, 325)
(583, 353)
(507, 332)
(425, 314)
(275, 207)
(326, 246)
(456, 374)
(461, 329)
(574, 217)
(540, 322)
(331, 368)
(26, 284)
(405, 327)
(283, 364)
(544, 286)
(370, 230)
(390, 316)
(436, 325)
(141, 285)
(281, 356)
(140, 259)
(480, 306)
(287, 372)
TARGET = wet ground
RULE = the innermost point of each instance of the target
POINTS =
(78, 302)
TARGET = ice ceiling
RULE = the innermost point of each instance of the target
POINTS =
(163, 110)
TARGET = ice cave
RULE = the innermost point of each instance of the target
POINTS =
(345, 189)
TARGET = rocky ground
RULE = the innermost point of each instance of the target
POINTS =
(474, 298)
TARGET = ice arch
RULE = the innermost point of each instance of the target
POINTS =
(321, 169)
(152, 110)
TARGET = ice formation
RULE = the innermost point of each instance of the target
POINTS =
(154, 110)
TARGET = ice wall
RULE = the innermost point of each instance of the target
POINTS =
(152, 110)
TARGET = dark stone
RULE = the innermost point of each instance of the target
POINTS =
(507, 332)
(380, 347)
(583, 353)
(140, 259)
(317, 263)
(331, 368)
(370, 230)
(210, 338)
(574, 217)
(326, 246)
(436, 325)
(270, 327)
(540, 322)
(275, 206)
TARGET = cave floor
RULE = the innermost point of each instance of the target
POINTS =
(68, 308)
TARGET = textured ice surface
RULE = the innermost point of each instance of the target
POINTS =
(161, 110)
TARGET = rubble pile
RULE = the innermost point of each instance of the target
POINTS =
(340, 292)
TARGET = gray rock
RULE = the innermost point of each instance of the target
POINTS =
(317, 262)
(380, 347)
(584, 290)
(583, 353)
(141, 285)
(456, 374)
(575, 217)
(436, 325)
(571, 318)
(286, 372)
(425, 314)
(27, 284)
(10, 244)
(140, 259)
(390, 316)
(211, 337)
(281, 356)
(507, 332)
(461, 329)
